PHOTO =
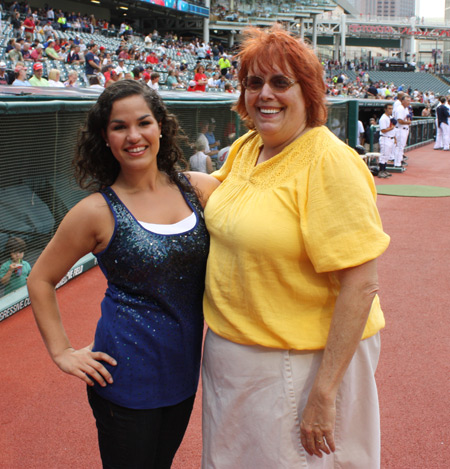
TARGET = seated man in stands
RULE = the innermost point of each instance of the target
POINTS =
(115, 76)
(372, 92)
(146, 77)
(4, 78)
(51, 52)
(154, 83)
(37, 79)
(20, 73)
(26, 52)
(151, 58)
(36, 53)
(94, 83)
(15, 54)
(121, 67)
(213, 82)
(173, 80)
(74, 56)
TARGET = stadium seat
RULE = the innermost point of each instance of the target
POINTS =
(21, 210)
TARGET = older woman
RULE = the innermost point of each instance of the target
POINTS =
(72, 78)
(145, 226)
(291, 286)
(54, 78)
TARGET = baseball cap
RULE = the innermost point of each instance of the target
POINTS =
(2, 65)
(38, 66)
(146, 75)
(102, 48)
(192, 83)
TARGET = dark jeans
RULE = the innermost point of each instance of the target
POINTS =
(139, 439)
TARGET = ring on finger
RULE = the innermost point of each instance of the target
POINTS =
(319, 441)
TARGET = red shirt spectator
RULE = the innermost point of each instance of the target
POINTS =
(29, 25)
(151, 59)
(200, 79)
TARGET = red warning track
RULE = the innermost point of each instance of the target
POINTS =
(45, 420)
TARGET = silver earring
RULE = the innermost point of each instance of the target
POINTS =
(107, 144)
(160, 136)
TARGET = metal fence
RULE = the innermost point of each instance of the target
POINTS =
(37, 141)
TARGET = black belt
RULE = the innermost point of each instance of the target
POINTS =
(385, 136)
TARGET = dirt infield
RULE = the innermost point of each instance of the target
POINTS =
(46, 422)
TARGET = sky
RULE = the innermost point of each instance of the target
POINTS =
(430, 8)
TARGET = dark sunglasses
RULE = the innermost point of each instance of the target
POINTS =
(277, 83)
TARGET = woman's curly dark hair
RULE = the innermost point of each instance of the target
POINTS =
(94, 164)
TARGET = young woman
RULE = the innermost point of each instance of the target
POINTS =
(145, 225)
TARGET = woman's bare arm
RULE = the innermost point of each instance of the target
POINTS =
(83, 229)
(359, 286)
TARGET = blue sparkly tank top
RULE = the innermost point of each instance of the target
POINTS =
(152, 317)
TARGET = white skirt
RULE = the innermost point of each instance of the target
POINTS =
(253, 399)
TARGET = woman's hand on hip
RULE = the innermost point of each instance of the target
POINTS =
(86, 364)
(317, 425)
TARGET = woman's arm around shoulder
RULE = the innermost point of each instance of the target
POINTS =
(86, 228)
(204, 185)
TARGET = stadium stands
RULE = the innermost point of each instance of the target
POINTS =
(421, 81)
(416, 80)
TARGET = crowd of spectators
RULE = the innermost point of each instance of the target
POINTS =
(29, 20)
(146, 59)
(362, 87)
(140, 60)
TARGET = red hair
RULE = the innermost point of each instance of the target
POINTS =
(266, 48)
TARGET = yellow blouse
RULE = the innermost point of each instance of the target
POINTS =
(279, 230)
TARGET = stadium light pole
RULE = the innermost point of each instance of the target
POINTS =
(343, 35)
(435, 55)
(206, 24)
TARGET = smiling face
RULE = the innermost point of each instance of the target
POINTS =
(133, 134)
(278, 117)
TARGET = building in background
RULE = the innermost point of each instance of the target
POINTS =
(385, 8)
(446, 56)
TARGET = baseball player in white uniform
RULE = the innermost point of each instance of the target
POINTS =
(442, 116)
(401, 114)
(387, 140)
